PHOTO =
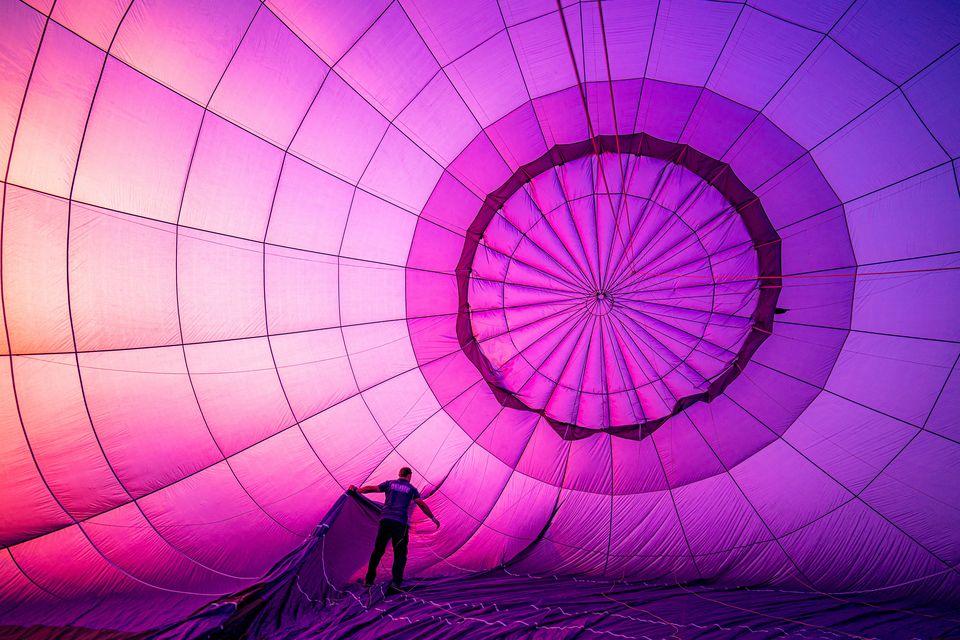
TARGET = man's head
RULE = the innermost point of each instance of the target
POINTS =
(406, 473)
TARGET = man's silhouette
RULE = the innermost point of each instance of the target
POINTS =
(394, 522)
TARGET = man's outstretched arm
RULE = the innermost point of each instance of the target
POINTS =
(367, 488)
(423, 507)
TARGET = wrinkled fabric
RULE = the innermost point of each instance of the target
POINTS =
(313, 592)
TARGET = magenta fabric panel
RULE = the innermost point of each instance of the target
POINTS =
(640, 290)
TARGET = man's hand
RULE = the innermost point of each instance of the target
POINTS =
(352, 487)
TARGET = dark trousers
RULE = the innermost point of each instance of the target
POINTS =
(397, 533)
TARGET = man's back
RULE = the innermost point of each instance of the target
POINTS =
(400, 495)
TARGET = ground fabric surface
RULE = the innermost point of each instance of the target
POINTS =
(313, 592)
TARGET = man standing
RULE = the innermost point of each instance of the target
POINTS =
(394, 522)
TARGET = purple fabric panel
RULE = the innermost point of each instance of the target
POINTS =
(929, 29)
(759, 41)
(943, 74)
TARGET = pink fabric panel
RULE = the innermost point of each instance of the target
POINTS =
(271, 81)
(182, 44)
(137, 147)
(55, 112)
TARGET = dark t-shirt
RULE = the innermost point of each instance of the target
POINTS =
(400, 497)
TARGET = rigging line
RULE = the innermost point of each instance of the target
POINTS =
(648, 583)
(612, 584)
(596, 148)
(866, 332)
(616, 129)
(701, 91)
(833, 207)
(664, 174)
(594, 200)
(643, 256)
(801, 276)
(775, 617)
(574, 280)
(727, 250)
(568, 208)
(669, 252)
(699, 263)
(547, 610)
(811, 274)
(499, 153)
(777, 632)
(768, 180)
(531, 188)
(636, 117)
(340, 311)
